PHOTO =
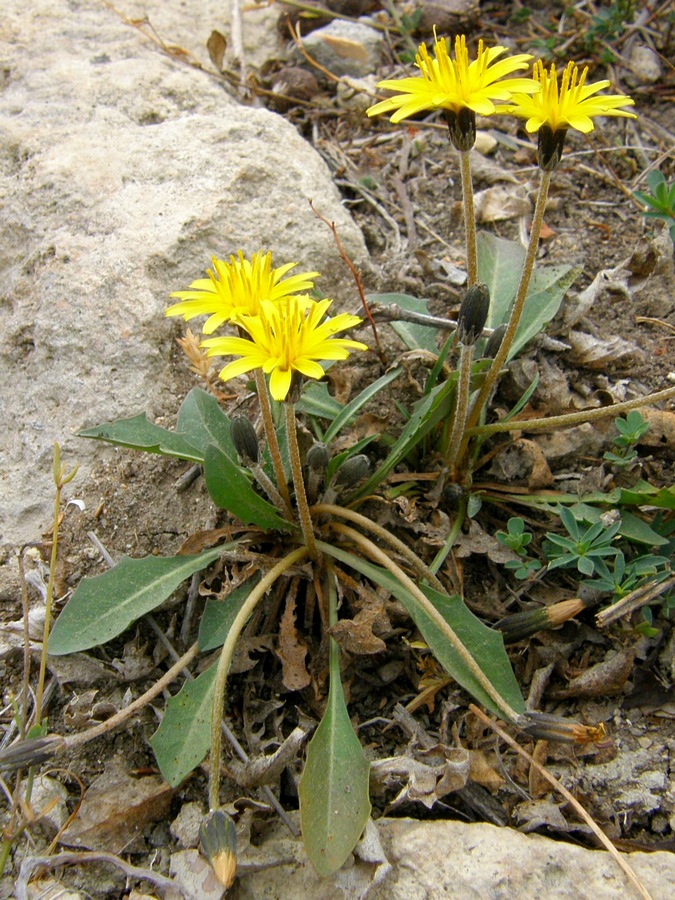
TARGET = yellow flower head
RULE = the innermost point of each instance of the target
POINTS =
(570, 106)
(554, 110)
(456, 84)
(237, 288)
(286, 337)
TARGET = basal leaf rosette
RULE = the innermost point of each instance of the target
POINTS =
(289, 336)
(237, 287)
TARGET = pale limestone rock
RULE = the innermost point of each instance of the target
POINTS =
(123, 169)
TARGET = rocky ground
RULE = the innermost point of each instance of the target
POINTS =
(134, 148)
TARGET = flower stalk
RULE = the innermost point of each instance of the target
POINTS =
(516, 313)
(299, 482)
(272, 440)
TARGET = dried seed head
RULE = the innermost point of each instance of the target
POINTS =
(245, 439)
(473, 313)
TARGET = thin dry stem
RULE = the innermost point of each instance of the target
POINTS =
(602, 837)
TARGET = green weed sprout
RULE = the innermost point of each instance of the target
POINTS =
(659, 201)
(302, 525)
(630, 429)
(583, 547)
(516, 538)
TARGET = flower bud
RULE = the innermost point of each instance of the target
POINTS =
(494, 342)
(218, 840)
(550, 147)
(473, 314)
(353, 470)
(244, 438)
(317, 458)
(461, 128)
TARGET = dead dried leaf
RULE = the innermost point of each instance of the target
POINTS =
(204, 540)
(497, 204)
(268, 769)
(443, 770)
(345, 49)
(242, 661)
(533, 814)
(598, 353)
(605, 679)
(356, 635)
(661, 428)
(478, 541)
(216, 45)
(116, 808)
(291, 650)
(483, 772)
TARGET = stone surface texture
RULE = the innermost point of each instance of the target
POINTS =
(123, 169)
(346, 48)
(443, 859)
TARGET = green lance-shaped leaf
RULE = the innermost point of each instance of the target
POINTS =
(414, 336)
(182, 740)
(333, 790)
(138, 433)
(104, 606)
(426, 414)
(230, 489)
(201, 422)
(219, 615)
(500, 263)
(483, 644)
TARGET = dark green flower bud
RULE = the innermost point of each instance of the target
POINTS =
(244, 438)
(317, 458)
(353, 470)
(473, 314)
(462, 128)
(550, 147)
(494, 342)
(218, 840)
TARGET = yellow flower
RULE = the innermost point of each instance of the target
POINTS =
(287, 337)
(573, 105)
(237, 288)
(456, 84)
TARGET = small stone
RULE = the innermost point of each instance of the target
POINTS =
(185, 827)
(346, 48)
(645, 65)
(485, 143)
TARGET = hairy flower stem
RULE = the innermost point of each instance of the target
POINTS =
(60, 480)
(469, 217)
(225, 660)
(271, 436)
(369, 549)
(567, 420)
(461, 408)
(299, 482)
(420, 569)
(516, 313)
